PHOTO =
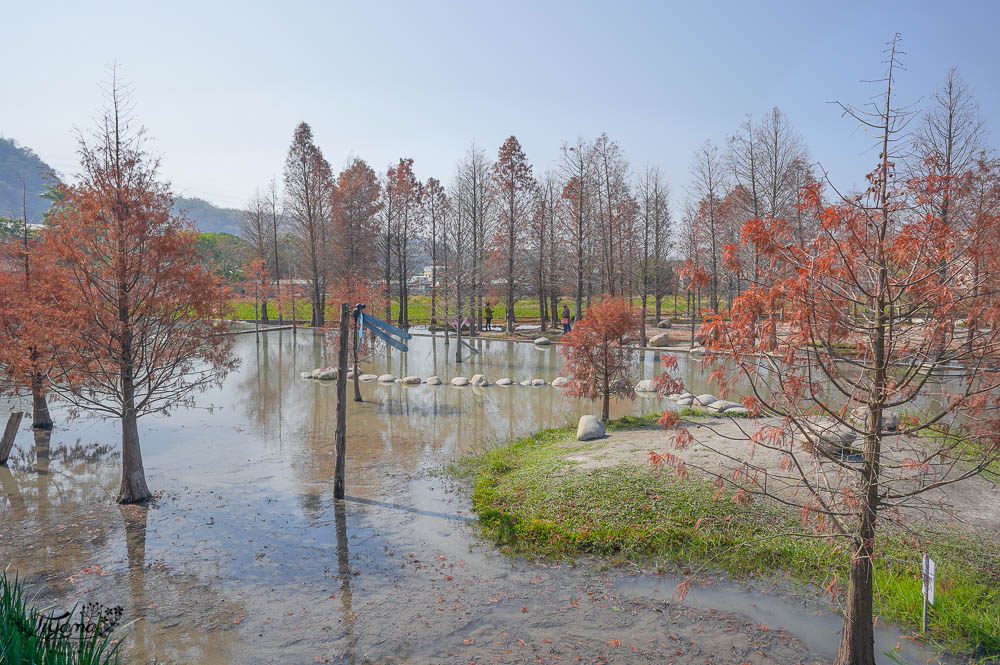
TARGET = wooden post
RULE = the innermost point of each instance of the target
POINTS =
(458, 341)
(341, 435)
(7, 442)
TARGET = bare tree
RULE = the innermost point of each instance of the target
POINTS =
(707, 190)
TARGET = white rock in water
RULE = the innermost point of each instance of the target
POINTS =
(538, 382)
(327, 374)
(526, 382)
(589, 428)
(663, 339)
(705, 399)
(367, 377)
(387, 378)
(685, 401)
(722, 405)
(665, 323)
(479, 380)
(560, 382)
(411, 381)
(542, 341)
(460, 381)
(305, 375)
(505, 381)
(350, 374)
(645, 386)
(316, 372)
(737, 411)
(434, 380)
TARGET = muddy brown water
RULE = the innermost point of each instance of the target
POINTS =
(246, 558)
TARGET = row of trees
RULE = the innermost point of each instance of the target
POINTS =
(588, 227)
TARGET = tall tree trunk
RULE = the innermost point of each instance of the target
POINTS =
(263, 311)
(857, 642)
(133, 488)
(40, 418)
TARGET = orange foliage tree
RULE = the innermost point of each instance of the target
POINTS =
(32, 325)
(143, 303)
(879, 398)
(598, 362)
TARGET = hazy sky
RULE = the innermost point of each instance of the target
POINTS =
(221, 86)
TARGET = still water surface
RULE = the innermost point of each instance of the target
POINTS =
(246, 558)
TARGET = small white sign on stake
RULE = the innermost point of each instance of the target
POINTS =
(927, 586)
(928, 576)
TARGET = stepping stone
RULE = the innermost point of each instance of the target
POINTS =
(705, 399)
(721, 405)
(526, 382)
(504, 381)
(560, 382)
(665, 323)
(460, 381)
(685, 401)
(538, 382)
(367, 377)
(316, 372)
(479, 380)
(411, 381)
(305, 375)
(542, 341)
(434, 380)
(387, 378)
(327, 375)
(645, 386)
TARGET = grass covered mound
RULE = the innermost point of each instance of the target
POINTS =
(530, 500)
(26, 638)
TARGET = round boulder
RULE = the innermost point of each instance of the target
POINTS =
(722, 405)
(685, 401)
(665, 324)
(411, 381)
(542, 341)
(387, 378)
(434, 380)
(645, 386)
(305, 375)
(658, 341)
(538, 382)
(560, 382)
(526, 382)
(589, 428)
(367, 377)
(328, 374)
(479, 380)
(459, 381)
(316, 372)
(505, 381)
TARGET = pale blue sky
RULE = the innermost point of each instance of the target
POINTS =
(220, 86)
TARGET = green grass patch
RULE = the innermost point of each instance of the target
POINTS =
(531, 500)
(24, 642)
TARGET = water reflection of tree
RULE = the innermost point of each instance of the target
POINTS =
(345, 574)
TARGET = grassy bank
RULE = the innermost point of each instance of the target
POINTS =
(531, 501)
(525, 310)
(25, 638)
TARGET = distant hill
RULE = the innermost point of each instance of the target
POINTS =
(207, 217)
(17, 160)
(17, 163)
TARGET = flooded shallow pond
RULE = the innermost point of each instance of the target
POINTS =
(246, 558)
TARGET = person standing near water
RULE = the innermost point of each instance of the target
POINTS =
(565, 319)
(488, 314)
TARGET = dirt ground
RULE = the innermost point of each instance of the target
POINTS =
(720, 443)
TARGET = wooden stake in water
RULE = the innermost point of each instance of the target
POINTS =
(340, 439)
(7, 441)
